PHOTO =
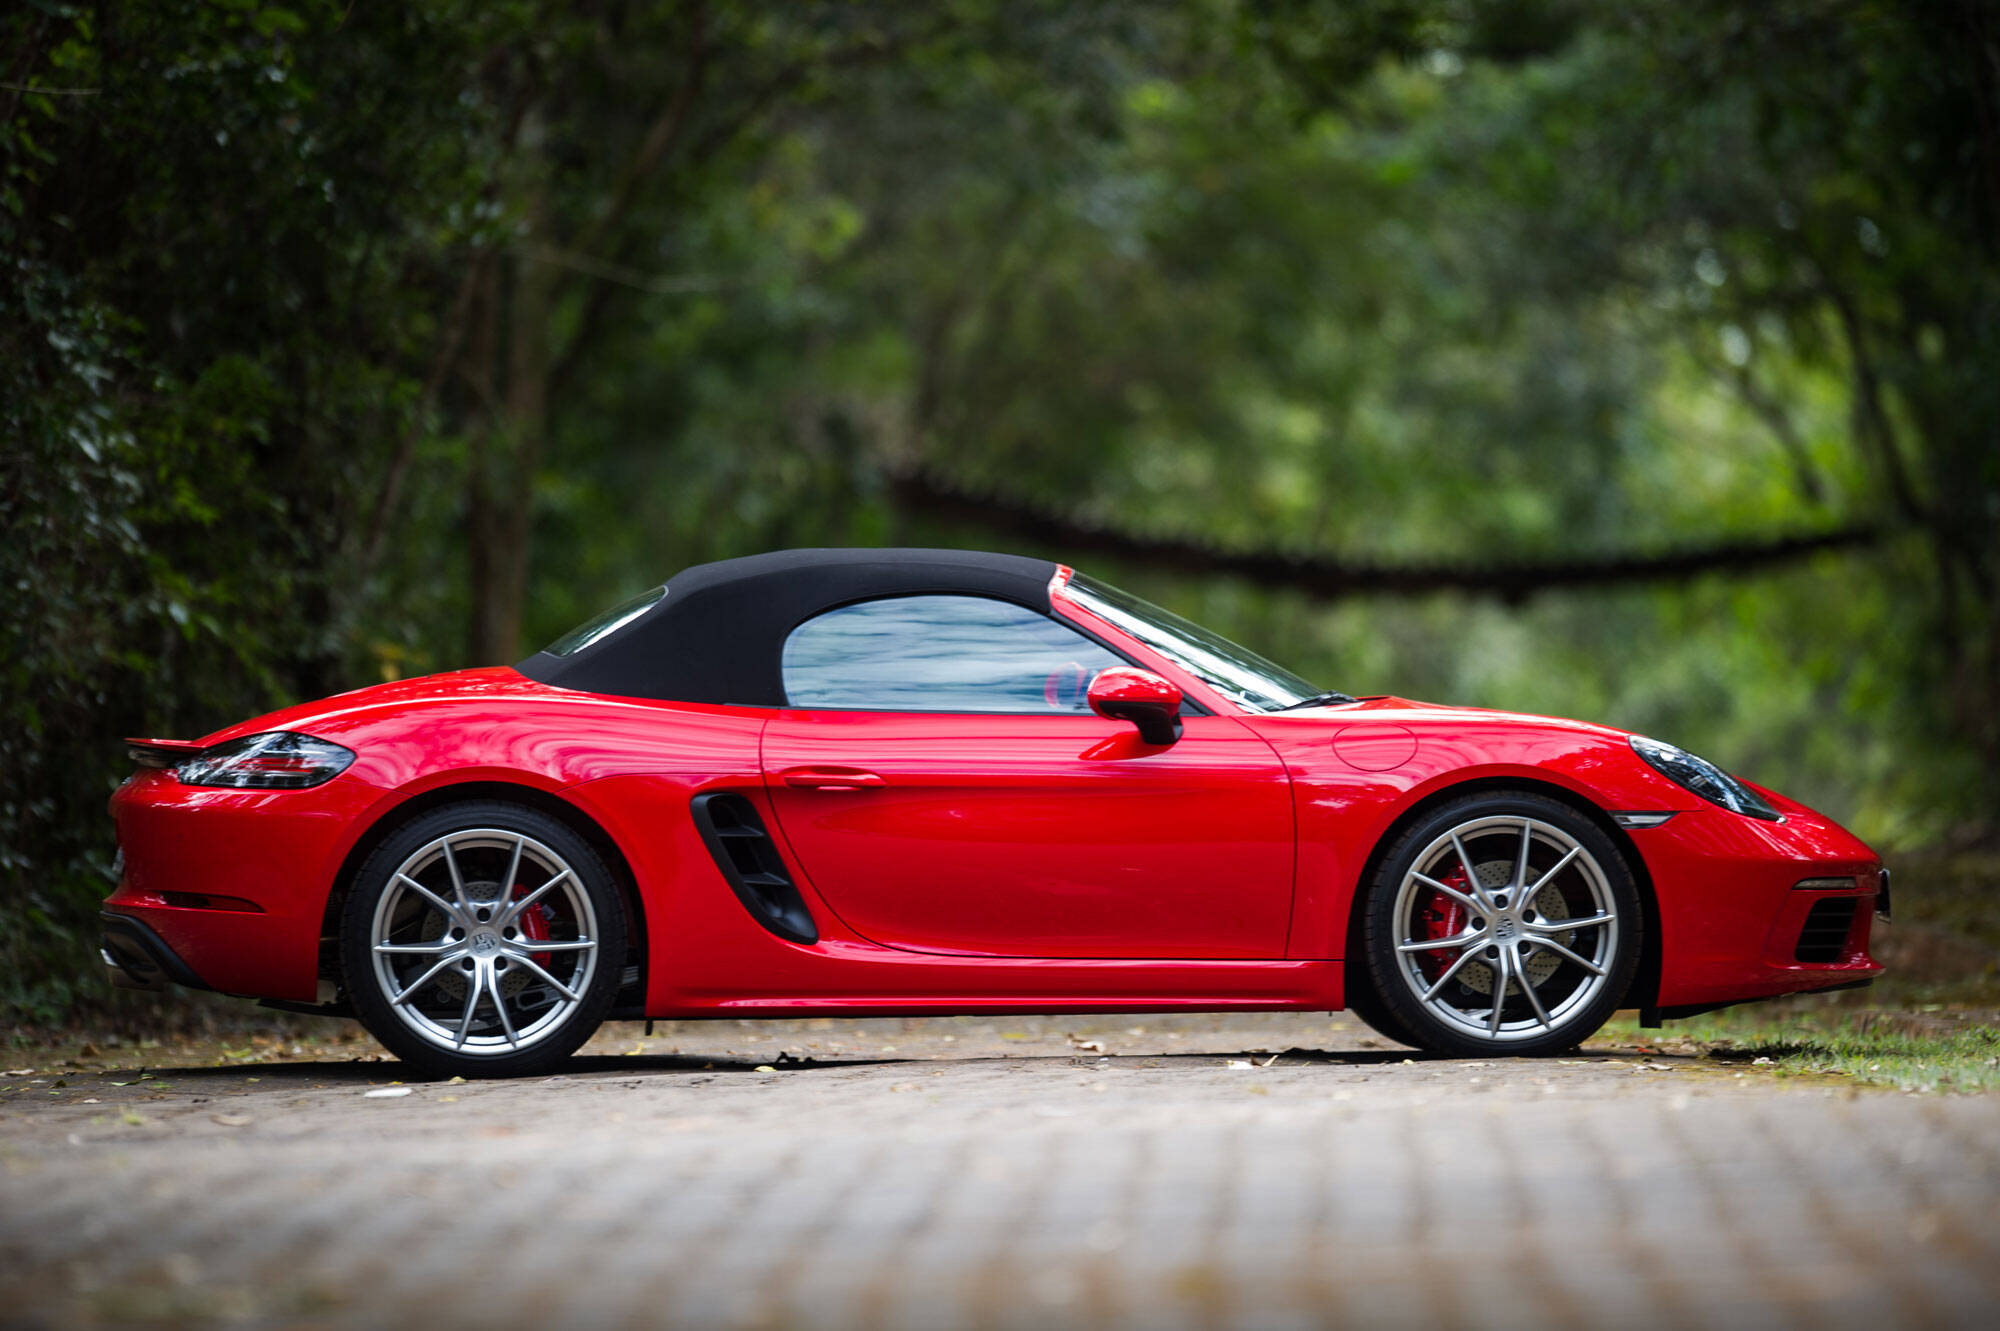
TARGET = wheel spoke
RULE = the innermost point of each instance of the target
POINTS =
(451, 912)
(500, 1006)
(1471, 874)
(551, 980)
(420, 949)
(1560, 926)
(457, 883)
(1438, 944)
(1553, 946)
(409, 991)
(1502, 972)
(515, 909)
(1521, 861)
(532, 945)
(1446, 978)
(513, 867)
(1450, 891)
(475, 987)
(1548, 874)
(1534, 999)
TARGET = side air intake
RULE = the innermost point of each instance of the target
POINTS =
(750, 862)
(1823, 938)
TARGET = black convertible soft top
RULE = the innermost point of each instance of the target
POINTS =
(718, 633)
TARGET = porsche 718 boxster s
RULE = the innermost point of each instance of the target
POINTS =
(883, 782)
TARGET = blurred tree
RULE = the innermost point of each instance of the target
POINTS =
(1754, 204)
(612, 126)
(1806, 185)
(345, 342)
(208, 218)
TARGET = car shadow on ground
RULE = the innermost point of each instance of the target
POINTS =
(615, 1064)
(297, 1073)
(1285, 1057)
(360, 1071)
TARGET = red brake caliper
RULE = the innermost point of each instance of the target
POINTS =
(1442, 918)
(534, 922)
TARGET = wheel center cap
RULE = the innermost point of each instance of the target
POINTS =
(485, 943)
(1503, 929)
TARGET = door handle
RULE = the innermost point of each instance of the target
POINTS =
(830, 778)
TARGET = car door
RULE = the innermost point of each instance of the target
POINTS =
(945, 787)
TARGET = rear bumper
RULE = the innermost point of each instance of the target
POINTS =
(232, 883)
(135, 957)
(1741, 913)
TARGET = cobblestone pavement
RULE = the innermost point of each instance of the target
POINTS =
(999, 1173)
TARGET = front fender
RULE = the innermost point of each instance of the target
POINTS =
(1358, 775)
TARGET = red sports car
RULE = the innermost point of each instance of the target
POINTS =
(879, 782)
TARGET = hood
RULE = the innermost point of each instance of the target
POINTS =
(1409, 711)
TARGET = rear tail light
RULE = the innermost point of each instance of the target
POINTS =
(276, 760)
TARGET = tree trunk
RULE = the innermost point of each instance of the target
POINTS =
(507, 453)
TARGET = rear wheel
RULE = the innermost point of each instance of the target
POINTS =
(483, 940)
(1505, 923)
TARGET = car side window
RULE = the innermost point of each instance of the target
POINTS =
(940, 654)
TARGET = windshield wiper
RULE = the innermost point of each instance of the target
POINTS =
(1318, 700)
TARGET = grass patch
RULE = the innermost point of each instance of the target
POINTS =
(1955, 1052)
(1878, 1054)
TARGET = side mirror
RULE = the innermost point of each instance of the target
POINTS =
(1122, 693)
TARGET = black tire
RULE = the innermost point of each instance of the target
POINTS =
(1575, 993)
(1363, 1003)
(496, 975)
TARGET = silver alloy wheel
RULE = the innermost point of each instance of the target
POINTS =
(460, 958)
(1522, 941)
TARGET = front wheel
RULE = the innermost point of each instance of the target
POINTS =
(483, 940)
(1502, 924)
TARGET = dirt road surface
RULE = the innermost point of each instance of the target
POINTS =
(1249, 1171)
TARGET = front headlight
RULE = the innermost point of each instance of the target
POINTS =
(1704, 778)
(275, 760)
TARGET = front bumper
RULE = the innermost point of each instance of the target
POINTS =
(1741, 913)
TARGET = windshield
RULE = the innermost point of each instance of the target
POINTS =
(1237, 672)
(606, 624)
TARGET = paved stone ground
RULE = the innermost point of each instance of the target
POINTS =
(997, 1174)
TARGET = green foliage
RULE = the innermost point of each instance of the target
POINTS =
(345, 342)
(209, 230)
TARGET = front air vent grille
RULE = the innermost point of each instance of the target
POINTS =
(1823, 939)
(749, 860)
